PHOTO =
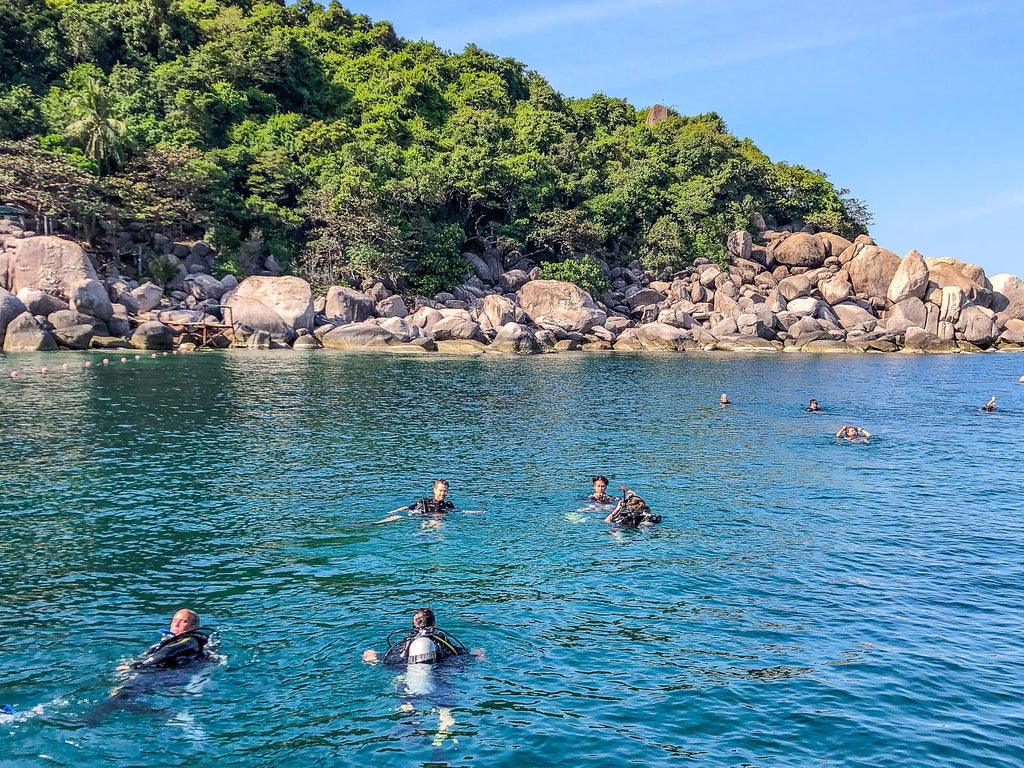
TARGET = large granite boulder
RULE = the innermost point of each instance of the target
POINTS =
(392, 306)
(290, 298)
(24, 334)
(488, 270)
(10, 307)
(835, 288)
(513, 280)
(204, 287)
(89, 297)
(1006, 289)
(426, 318)
(561, 304)
(48, 264)
(664, 336)
(516, 338)
(740, 245)
(799, 250)
(910, 280)
(363, 335)
(908, 313)
(152, 335)
(259, 317)
(405, 331)
(872, 270)
(852, 315)
(796, 286)
(345, 305)
(943, 274)
(456, 328)
(148, 296)
(952, 302)
(75, 336)
(833, 244)
(501, 310)
(727, 306)
(919, 340)
(976, 325)
(39, 303)
(67, 318)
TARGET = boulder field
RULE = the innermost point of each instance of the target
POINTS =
(785, 292)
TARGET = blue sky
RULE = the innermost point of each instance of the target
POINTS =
(915, 106)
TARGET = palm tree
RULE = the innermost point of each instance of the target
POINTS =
(93, 128)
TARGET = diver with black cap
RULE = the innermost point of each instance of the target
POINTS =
(632, 512)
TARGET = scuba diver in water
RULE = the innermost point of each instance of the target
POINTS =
(186, 645)
(417, 653)
(600, 494)
(632, 512)
(813, 407)
(432, 508)
(853, 434)
(426, 644)
(183, 644)
(990, 406)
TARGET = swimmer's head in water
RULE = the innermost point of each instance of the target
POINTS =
(440, 489)
(814, 403)
(184, 621)
(423, 619)
(850, 432)
(724, 399)
(600, 484)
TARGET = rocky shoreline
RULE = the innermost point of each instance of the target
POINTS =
(788, 291)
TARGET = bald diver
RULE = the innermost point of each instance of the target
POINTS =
(632, 512)
(164, 664)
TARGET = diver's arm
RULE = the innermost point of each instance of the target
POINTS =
(615, 511)
(864, 432)
(389, 519)
(393, 514)
(841, 430)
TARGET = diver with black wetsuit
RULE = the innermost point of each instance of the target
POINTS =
(185, 644)
(632, 512)
(426, 644)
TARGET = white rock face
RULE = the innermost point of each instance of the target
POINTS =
(554, 302)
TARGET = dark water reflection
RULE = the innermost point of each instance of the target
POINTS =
(805, 602)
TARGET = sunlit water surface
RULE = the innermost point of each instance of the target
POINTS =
(804, 603)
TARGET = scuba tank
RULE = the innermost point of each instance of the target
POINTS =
(422, 649)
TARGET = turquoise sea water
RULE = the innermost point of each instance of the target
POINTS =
(804, 603)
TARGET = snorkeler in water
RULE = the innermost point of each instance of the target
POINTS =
(990, 406)
(813, 407)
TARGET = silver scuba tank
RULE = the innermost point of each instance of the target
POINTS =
(423, 650)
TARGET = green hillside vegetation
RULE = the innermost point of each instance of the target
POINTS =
(322, 138)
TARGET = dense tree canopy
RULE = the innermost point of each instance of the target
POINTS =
(323, 138)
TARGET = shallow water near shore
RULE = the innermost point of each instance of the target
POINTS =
(805, 602)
